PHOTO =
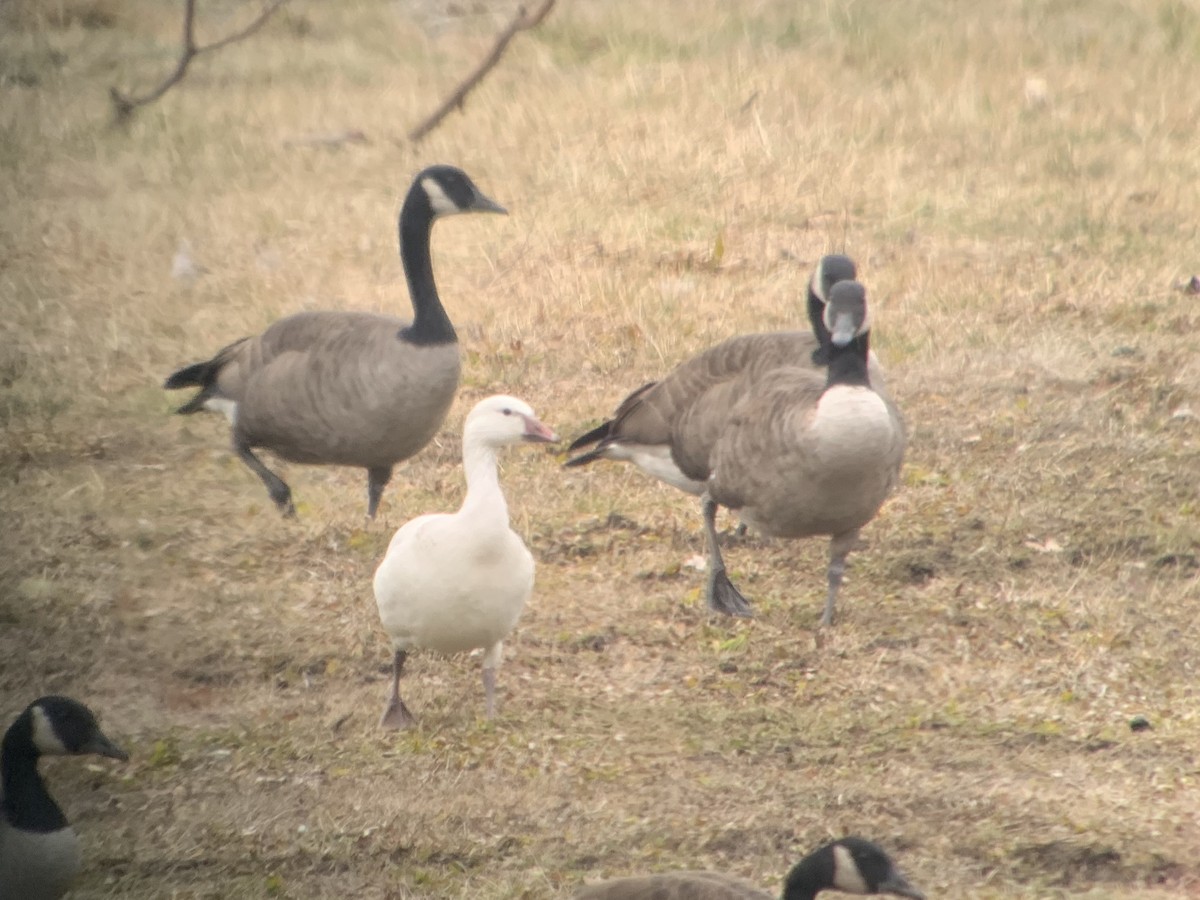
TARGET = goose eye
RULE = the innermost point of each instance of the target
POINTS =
(507, 412)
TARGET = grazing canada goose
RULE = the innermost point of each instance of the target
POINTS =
(39, 851)
(701, 390)
(802, 454)
(851, 864)
(454, 582)
(347, 388)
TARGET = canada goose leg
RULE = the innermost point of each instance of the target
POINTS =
(396, 714)
(722, 596)
(277, 489)
(377, 479)
(491, 662)
(839, 548)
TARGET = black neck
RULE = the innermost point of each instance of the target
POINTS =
(848, 365)
(430, 324)
(816, 317)
(809, 877)
(26, 804)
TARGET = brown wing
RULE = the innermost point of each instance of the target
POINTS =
(686, 409)
(717, 380)
(300, 333)
(343, 388)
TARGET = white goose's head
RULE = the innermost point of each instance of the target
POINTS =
(501, 420)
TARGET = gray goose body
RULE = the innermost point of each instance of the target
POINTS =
(339, 388)
(39, 850)
(347, 388)
(798, 458)
(851, 864)
(668, 427)
(803, 454)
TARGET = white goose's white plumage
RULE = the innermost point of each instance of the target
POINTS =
(454, 582)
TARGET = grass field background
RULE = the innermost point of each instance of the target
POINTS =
(1019, 183)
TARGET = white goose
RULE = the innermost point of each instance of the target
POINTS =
(454, 582)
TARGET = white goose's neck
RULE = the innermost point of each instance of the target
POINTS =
(484, 502)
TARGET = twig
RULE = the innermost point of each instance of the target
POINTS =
(523, 21)
(124, 105)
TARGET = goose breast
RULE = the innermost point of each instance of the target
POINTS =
(798, 460)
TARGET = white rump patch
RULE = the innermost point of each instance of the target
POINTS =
(438, 201)
(655, 460)
(846, 876)
(44, 737)
(223, 405)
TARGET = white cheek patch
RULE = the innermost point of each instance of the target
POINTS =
(846, 876)
(223, 405)
(438, 201)
(44, 737)
(815, 284)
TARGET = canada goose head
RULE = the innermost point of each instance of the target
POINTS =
(846, 316)
(60, 726)
(502, 420)
(446, 191)
(831, 269)
(851, 864)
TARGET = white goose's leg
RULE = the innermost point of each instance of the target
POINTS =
(839, 548)
(722, 596)
(491, 662)
(396, 714)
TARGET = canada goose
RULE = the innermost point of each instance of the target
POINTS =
(701, 389)
(347, 388)
(454, 582)
(39, 851)
(802, 454)
(851, 864)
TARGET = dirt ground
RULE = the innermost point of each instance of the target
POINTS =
(1018, 183)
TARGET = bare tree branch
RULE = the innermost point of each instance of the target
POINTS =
(124, 105)
(523, 21)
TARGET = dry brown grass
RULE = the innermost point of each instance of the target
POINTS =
(1019, 182)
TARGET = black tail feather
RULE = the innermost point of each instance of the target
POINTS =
(584, 458)
(197, 375)
(196, 404)
(202, 375)
(597, 434)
